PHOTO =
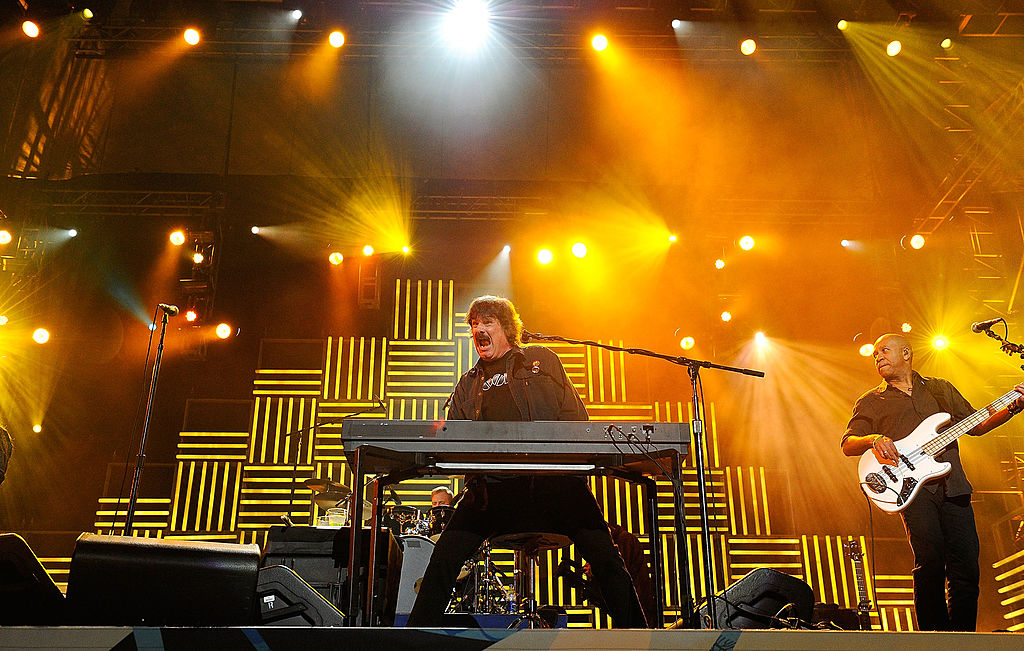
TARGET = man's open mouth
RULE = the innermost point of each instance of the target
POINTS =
(482, 339)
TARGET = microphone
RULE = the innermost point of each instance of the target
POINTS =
(527, 336)
(394, 497)
(983, 326)
(169, 310)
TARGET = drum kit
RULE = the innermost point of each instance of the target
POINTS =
(481, 588)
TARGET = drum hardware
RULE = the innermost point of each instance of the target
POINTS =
(527, 547)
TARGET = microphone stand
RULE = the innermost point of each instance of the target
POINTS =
(1007, 347)
(140, 459)
(693, 367)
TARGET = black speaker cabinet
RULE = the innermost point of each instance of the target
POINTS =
(28, 596)
(754, 600)
(121, 580)
(284, 599)
(310, 553)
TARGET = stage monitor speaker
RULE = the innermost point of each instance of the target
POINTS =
(284, 599)
(28, 596)
(755, 600)
(122, 580)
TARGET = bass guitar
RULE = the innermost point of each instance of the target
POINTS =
(893, 485)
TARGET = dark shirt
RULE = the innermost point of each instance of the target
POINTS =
(497, 402)
(887, 410)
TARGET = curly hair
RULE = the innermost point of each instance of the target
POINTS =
(501, 309)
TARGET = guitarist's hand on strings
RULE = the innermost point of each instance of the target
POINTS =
(885, 450)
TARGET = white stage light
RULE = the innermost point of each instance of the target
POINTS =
(467, 25)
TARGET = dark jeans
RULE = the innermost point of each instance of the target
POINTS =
(945, 543)
(560, 505)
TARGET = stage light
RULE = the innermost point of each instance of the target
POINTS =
(867, 350)
(191, 316)
(198, 257)
(946, 43)
(746, 242)
(917, 241)
(760, 339)
(223, 330)
(336, 39)
(467, 25)
(676, 23)
(367, 250)
(940, 342)
(686, 343)
(255, 230)
(5, 237)
(506, 249)
(296, 14)
(41, 335)
(191, 36)
(406, 249)
(893, 48)
(906, 327)
(719, 264)
(599, 42)
(177, 238)
(545, 256)
(73, 232)
(87, 14)
(579, 249)
(748, 46)
(845, 243)
(3, 319)
(37, 428)
(672, 238)
(726, 316)
(335, 258)
(30, 28)
(842, 25)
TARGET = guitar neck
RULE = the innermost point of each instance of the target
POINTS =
(864, 604)
(940, 442)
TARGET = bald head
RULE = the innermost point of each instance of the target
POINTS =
(894, 357)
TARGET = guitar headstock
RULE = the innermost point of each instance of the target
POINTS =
(852, 549)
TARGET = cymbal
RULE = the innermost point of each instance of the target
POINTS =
(330, 499)
(324, 485)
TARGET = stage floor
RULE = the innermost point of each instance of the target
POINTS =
(267, 638)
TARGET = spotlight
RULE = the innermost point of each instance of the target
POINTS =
(336, 39)
(198, 257)
(191, 316)
(31, 29)
(599, 42)
(87, 14)
(893, 48)
(255, 230)
(946, 43)
(467, 25)
(73, 232)
(4, 320)
(845, 243)
(223, 330)
(748, 46)
(335, 258)
(37, 428)
(545, 256)
(866, 350)
(746, 242)
(686, 343)
(367, 250)
(676, 23)
(579, 249)
(760, 339)
(296, 14)
(940, 342)
(406, 249)
(5, 237)
(842, 25)
(191, 36)
(917, 241)
(506, 249)
(177, 238)
(726, 316)
(41, 335)
(672, 238)
(719, 264)
(906, 327)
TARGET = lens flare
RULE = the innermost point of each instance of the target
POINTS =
(41, 335)
(467, 25)
(940, 342)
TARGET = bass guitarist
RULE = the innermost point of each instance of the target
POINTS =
(939, 521)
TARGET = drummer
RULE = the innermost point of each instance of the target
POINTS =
(441, 496)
